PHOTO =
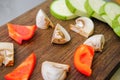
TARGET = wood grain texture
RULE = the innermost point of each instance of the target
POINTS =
(103, 63)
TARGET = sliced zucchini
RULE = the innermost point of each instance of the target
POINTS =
(88, 8)
(93, 7)
(97, 16)
(109, 11)
(77, 7)
(116, 22)
(117, 30)
(59, 10)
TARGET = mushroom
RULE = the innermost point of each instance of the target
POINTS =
(84, 26)
(60, 35)
(96, 41)
(42, 20)
(54, 71)
(6, 54)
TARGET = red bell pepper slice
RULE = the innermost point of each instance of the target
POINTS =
(20, 33)
(24, 70)
(83, 59)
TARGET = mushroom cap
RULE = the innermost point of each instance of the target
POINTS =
(84, 26)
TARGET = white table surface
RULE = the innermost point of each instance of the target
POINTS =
(9, 9)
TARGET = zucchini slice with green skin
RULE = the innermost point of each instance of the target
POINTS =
(97, 16)
(93, 7)
(77, 7)
(59, 10)
(116, 22)
(88, 8)
(116, 25)
(117, 31)
(109, 11)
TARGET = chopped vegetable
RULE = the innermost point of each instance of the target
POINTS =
(60, 35)
(42, 20)
(6, 54)
(59, 10)
(96, 41)
(83, 59)
(84, 26)
(109, 11)
(77, 7)
(54, 71)
(24, 70)
(20, 33)
(92, 7)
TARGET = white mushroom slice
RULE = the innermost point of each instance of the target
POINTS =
(60, 35)
(42, 20)
(84, 26)
(6, 53)
(96, 41)
(54, 71)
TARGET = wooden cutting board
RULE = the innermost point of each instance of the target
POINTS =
(40, 44)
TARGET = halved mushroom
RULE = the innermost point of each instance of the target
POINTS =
(42, 20)
(84, 26)
(6, 54)
(96, 41)
(54, 71)
(60, 35)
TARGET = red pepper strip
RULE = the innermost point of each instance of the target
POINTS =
(20, 33)
(24, 70)
(83, 59)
